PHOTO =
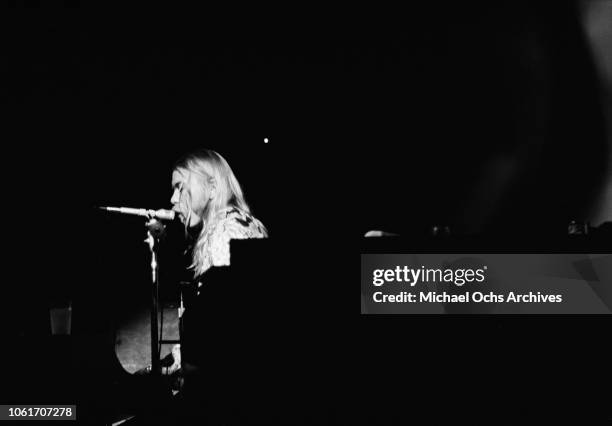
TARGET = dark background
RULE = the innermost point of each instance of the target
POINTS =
(391, 123)
(487, 119)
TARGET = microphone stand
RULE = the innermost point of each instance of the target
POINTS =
(154, 231)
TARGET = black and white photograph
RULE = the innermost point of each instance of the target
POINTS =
(192, 196)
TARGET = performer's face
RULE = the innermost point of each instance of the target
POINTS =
(190, 192)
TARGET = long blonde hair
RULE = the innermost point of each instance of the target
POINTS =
(228, 193)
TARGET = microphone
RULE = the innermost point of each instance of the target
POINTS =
(157, 214)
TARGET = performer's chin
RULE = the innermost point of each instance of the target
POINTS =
(180, 217)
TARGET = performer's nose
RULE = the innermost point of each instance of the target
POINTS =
(175, 197)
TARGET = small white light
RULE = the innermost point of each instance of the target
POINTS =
(265, 140)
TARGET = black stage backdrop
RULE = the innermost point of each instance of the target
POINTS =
(486, 119)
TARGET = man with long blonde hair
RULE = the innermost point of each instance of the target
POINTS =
(210, 203)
